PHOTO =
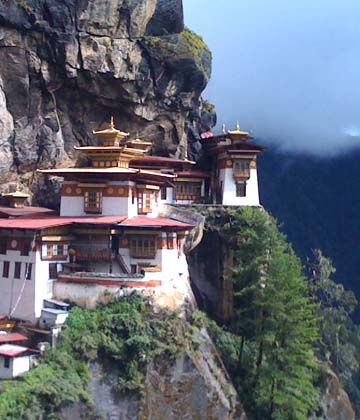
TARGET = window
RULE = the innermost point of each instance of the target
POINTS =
(17, 270)
(6, 269)
(241, 189)
(58, 251)
(52, 271)
(93, 201)
(28, 271)
(133, 268)
(163, 193)
(188, 190)
(6, 362)
(3, 246)
(242, 168)
(143, 247)
(25, 249)
(145, 201)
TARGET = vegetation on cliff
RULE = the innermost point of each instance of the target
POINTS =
(124, 336)
(339, 335)
(269, 345)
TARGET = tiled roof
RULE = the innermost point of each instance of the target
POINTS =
(12, 350)
(10, 337)
(24, 211)
(104, 171)
(154, 222)
(47, 222)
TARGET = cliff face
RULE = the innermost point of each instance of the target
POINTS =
(66, 66)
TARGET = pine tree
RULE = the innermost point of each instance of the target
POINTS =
(275, 318)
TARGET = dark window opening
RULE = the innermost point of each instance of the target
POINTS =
(241, 189)
(25, 249)
(6, 269)
(3, 246)
(133, 268)
(163, 193)
(6, 362)
(52, 271)
(17, 270)
(28, 271)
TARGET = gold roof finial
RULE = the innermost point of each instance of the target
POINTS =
(112, 124)
(238, 131)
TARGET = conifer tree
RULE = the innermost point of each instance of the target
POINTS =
(275, 318)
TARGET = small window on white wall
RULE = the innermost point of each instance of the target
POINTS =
(58, 251)
(93, 201)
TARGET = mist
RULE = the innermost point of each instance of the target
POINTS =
(288, 70)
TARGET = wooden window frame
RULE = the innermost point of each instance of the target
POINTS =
(6, 269)
(241, 189)
(145, 201)
(143, 247)
(93, 201)
(17, 270)
(241, 168)
(52, 271)
(57, 251)
(163, 193)
(188, 190)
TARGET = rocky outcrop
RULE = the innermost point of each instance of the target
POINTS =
(194, 386)
(334, 401)
(66, 66)
(210, 266)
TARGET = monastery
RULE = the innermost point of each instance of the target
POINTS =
(111, 232)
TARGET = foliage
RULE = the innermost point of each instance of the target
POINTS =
(124, 336)
(339, 336)
(269, 345)
(184, 46)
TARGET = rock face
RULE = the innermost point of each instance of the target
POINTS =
(66, 66)
(210, 268)
(194, 386)
(334, 401)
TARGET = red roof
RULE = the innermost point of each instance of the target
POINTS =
(154, 222)
(10, 337)
(47, 222)
(24, 211)
(12, 350)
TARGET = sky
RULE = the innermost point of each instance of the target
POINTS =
(288, 70)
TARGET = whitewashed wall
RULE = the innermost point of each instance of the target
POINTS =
(229, 189)
(18, 365)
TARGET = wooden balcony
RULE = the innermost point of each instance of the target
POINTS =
(243, 174)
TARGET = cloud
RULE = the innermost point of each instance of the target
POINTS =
(288, 70)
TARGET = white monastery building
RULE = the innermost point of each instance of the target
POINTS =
(110, 233)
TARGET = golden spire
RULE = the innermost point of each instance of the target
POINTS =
(238, 131)
(112, 125)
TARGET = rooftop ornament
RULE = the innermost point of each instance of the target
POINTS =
(238, 132)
